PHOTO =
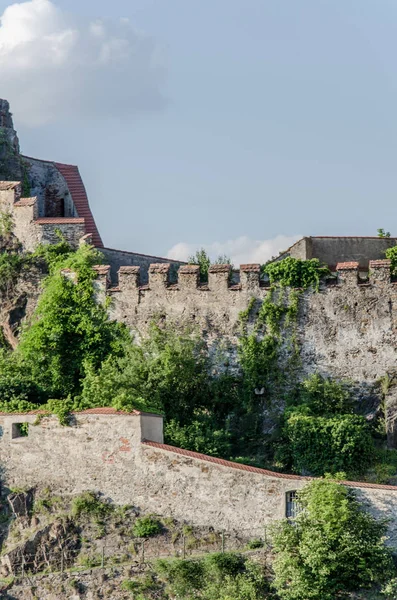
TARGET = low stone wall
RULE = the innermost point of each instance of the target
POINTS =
(111, 453)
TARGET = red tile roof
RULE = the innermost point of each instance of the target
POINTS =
(79, 196)
(347, 266)
(249, 469)
(380, 263)
(59, 220)
(159, 268)
(189, 270)
(219, 269)
(251, 268)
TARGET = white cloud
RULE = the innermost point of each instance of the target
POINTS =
(241, 250)
(53, 65)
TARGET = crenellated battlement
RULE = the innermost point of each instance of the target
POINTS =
(219, 280)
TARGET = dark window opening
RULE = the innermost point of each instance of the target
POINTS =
(292, 507)
(19, 430)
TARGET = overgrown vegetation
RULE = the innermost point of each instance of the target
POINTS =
(219, 576)
(334, 546)
(72, 357)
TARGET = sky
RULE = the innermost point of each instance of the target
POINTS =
(234, 125)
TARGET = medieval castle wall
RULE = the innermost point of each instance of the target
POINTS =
(123, 457)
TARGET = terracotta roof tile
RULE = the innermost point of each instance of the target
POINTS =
(101, 269)
(130, 269)
(26, 201)
(380, 263)
(249, 469)
(251, 268)
(189, 270)
(347, 266)
(79, 196)
(159, 268)
(219, 269)
(59, 220)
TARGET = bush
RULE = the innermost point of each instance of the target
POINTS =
(334, 547)
(183, 576)
(319, 445)
(296, 273)
(227, 576)
(89, 504)
(146, 527)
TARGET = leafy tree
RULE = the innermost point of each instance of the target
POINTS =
(202, 259)
(69, 328)
(383, 234)
(332, 548)
(167, 372)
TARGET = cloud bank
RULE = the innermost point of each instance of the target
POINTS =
(241, 250)
(53, 65)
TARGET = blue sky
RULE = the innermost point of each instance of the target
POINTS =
(231, 124)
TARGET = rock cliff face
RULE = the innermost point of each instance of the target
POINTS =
(11, 168)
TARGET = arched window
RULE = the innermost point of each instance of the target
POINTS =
(291, 505)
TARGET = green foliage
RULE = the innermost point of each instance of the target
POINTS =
(218, 576)
(89, 504)
(391, 254)
(6, 223)
(390, 589)
(296, 273)
(69, 328)
(333, 547)
(146, 527)
(383, 234)
(329, 444)
(320, 433)
(11, 265)
(202, 259)
(167, 372)
(324, 396)
(200, 435)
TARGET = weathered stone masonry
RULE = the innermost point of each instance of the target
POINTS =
(123, 457)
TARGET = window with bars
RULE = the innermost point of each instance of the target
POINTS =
(291, 505)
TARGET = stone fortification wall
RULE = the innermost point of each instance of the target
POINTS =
(104, 451)
(121, 258)
(346, 330)
(31, 229)
(333, 249)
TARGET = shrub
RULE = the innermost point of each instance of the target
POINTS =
(334, 547)
(182, 576)
(319, 445)
(146, 527)
(296, 273)
(89, 504)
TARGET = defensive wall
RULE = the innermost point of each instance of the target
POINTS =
(346, 330)
(123, 457)
(334, 249)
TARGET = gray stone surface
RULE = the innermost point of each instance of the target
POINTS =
(105, 453)
(334, 249)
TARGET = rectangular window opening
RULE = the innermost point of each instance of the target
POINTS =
(19, 430)
(291, 506)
